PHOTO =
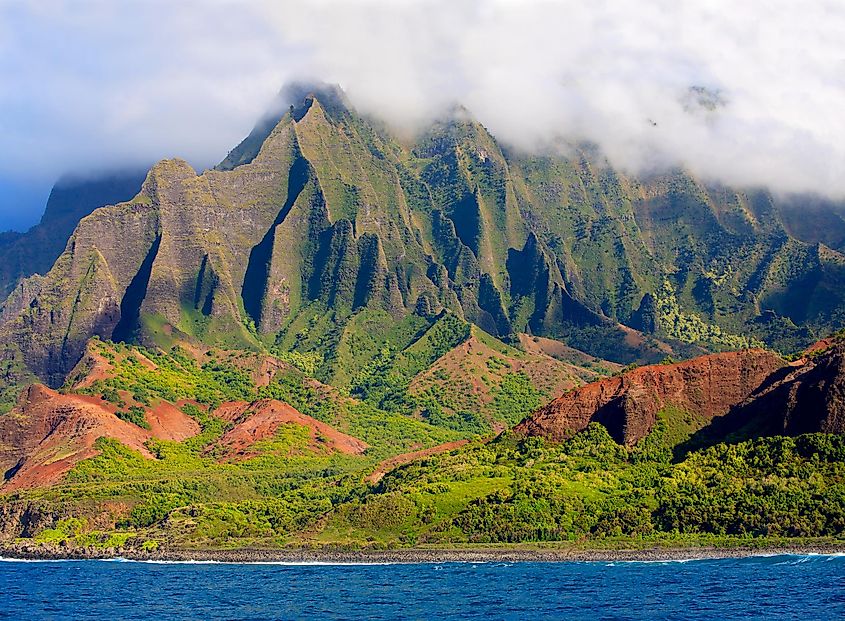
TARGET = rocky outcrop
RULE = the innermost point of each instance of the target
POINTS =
(25, 518)
(808, 397)
(628, 404)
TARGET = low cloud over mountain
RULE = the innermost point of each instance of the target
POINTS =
(709, 85)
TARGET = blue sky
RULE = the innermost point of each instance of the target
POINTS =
(88, 85)
(23, 201)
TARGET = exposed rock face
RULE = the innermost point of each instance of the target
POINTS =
(810, 397)
(321, 210)
(48, 433)
(83, 293)
(628, 404)
(24, 519)
(254, 422)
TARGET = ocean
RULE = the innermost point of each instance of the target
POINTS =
(775, 587)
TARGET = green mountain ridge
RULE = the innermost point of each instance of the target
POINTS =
(71, 199)
(326, 214)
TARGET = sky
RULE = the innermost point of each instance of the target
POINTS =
(747, 93)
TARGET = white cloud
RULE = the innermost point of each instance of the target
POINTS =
(86, 84)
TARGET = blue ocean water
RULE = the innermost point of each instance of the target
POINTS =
(778, 587)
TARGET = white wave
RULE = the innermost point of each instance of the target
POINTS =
(217, 562)
(661, 561)
(797, 558)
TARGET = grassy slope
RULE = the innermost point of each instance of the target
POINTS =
(593, 492)
(587, 491)
(287, 485)
(492, 383)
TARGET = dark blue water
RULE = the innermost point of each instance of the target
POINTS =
(782, 587)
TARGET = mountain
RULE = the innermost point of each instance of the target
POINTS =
(321, 214)
(489, 385)
(743, 394)
(807, 396)
(328, 338)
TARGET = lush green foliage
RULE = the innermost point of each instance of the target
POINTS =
(384, 381)
(592, 488)
(147, 374)
(13, 376)
(385, 432)
(134, 414)
(691, 328)
(515, 398)
(587, 489)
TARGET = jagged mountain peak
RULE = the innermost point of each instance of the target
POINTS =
(320, 213)
(292, 103)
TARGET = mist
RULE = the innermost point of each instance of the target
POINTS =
(747, 94)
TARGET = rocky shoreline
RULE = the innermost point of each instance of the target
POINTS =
(415, 555)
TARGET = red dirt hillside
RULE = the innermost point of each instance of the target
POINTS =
(47, 433)
(469, 374)
(258, 421)
(708, 386)
(809, 398)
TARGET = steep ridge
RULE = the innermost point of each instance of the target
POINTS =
(807, 397)
(50, 319)
(707, 387)
(70, 200)
(321, 214)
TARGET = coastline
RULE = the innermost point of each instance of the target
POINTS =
(420, 555)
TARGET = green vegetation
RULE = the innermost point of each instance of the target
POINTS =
(690, 328)
(75, 532)
(134, 414)
(284, 483)
(145, 374)
(13, 377)
(373, 284)
(590, 488)
(386, 433)
(384, 381)
(588, 491)
(515, 398)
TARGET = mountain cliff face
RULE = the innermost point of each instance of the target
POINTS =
(35, 251)
(320, 215)
(807, 397)
(737, 395)
(629, 404)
